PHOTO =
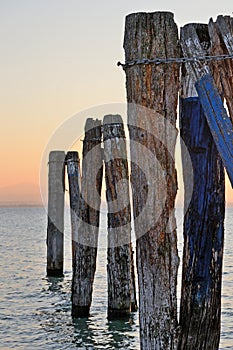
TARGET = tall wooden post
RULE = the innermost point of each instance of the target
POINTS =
(55, 230)
(73, 171)
(200, 311)
(120, 266)
(85, 245)
(151, 35)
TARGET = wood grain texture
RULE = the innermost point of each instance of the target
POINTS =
(55, 229)
(204, 217)
(86, 243)
(120, 267)
(221, 33)
(150, 35)
(194, 41)
(203, 233)
(74, 179)
(220, 124)
(194, 37)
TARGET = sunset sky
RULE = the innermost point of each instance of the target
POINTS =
(58, 57)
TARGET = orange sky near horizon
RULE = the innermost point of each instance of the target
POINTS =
(59, 57)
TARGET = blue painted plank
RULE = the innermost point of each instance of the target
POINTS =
(203, 229)
(219, 122)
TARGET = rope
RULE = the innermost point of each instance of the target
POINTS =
(158, 61)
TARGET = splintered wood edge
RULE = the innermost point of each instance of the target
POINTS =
(191, 44)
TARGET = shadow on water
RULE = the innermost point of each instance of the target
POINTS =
(83, 333)
(116, 335)
(55, 284)
(121, 332)
(94, 332)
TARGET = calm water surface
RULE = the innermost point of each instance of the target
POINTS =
(35, 311)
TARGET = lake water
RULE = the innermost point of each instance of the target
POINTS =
(35, 312)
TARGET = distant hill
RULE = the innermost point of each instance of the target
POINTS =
(20, 194)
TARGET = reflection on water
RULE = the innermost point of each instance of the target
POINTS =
(94, 332)
(36, 310)
(55, 284)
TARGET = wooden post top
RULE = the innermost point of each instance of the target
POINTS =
(57, 156)
(150, 14)
(112, 119)
(92, 123)
(72, 155)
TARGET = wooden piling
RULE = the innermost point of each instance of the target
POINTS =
(221, 35)
(73, 171)
(85, 247)
(133, 292)
(120, 267)
(218, 120)
(151, 35)
(195, 38)
(200, 312)
(55, 228)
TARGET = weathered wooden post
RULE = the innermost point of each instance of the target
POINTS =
(219, 123)
(133, 294)
(55, 229)
(120, 268)
(147, 36)
(73, 171)
(200, 310)
(221, 34)
(86, 242)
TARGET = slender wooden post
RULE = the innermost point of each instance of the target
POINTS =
(200, 310)
(73, 171)
(55, 228)
(85, 245)
(120, 260)
(151, 35)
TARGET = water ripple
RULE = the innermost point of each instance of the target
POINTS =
(36, 311)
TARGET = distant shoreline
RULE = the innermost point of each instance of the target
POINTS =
(20, 205)
(40, 205)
